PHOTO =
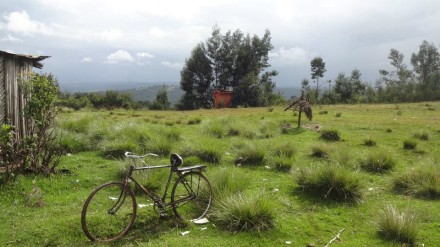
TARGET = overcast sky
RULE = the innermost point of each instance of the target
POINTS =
(92, 42)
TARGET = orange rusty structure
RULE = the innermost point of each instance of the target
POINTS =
(222, 98)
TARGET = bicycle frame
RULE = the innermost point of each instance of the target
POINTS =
(160, 201)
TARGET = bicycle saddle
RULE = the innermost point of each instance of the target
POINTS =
(175, 160)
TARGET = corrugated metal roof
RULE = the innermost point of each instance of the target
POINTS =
(35, 59)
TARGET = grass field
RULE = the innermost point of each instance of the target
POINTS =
(307, 188)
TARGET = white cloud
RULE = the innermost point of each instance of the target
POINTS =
(10, 38)
(144, 55)
(119, 57)
(20, 22)
(172, 65)
(109, 35)
(294, 55)
(86, 60)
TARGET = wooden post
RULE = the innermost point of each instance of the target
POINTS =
(300, 109)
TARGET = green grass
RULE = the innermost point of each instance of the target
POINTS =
(45, 211)
(398, 226)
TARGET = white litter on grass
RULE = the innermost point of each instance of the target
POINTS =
(268, 167)
(184, 233)
(370, 189)
(145, 205)
(264, 179)
(203, 228)
(288, 242)
(275, 190)
(200, 221)
(113, 198)
(77, 181)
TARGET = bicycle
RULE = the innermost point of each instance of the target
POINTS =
(110, 210)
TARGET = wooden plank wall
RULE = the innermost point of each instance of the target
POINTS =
(15, 102)
(2, 91)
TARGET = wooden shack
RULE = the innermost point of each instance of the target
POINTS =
(14, 67)
(222, 98)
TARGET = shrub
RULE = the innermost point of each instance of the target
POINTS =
(330, 135)
(250, 155)
(379, 162)
(331, 182)
(323, 112)
(421, 182)
(338, 114)
(244, 212)
(409, 144)
(398, 226)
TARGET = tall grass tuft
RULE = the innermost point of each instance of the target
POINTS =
(320, 151)
(422, 135)
(250, 155)
(281, 164)
(398, 226)
(330, 135)
(228, 181)
(369, 142)
(244, 212)
(378, 162)
(285, 150)
(331, 182)
(409, 144)
(420, 182)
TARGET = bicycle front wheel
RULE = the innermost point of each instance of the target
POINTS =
(108, 212)
(191, 196)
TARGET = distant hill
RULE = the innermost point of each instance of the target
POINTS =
(148, 91)
(175, 93)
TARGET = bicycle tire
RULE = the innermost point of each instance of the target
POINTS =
(186, 207)
(98, 223)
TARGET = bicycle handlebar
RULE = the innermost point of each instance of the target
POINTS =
(133, 156)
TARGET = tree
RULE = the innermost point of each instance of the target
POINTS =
(426, 64)
(196, 80)
(349, 89)
(161, 102)
(318, 69)
(233, 61)
(398, 82)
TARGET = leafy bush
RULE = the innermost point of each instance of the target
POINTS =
(330, 135)
(378, 161)
(244, 212)
(420, 181)
(331, 182)
(398, 226)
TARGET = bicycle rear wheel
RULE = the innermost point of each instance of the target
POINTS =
(108, 212)
(191, 196)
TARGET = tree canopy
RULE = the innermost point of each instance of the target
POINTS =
(232, 61)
